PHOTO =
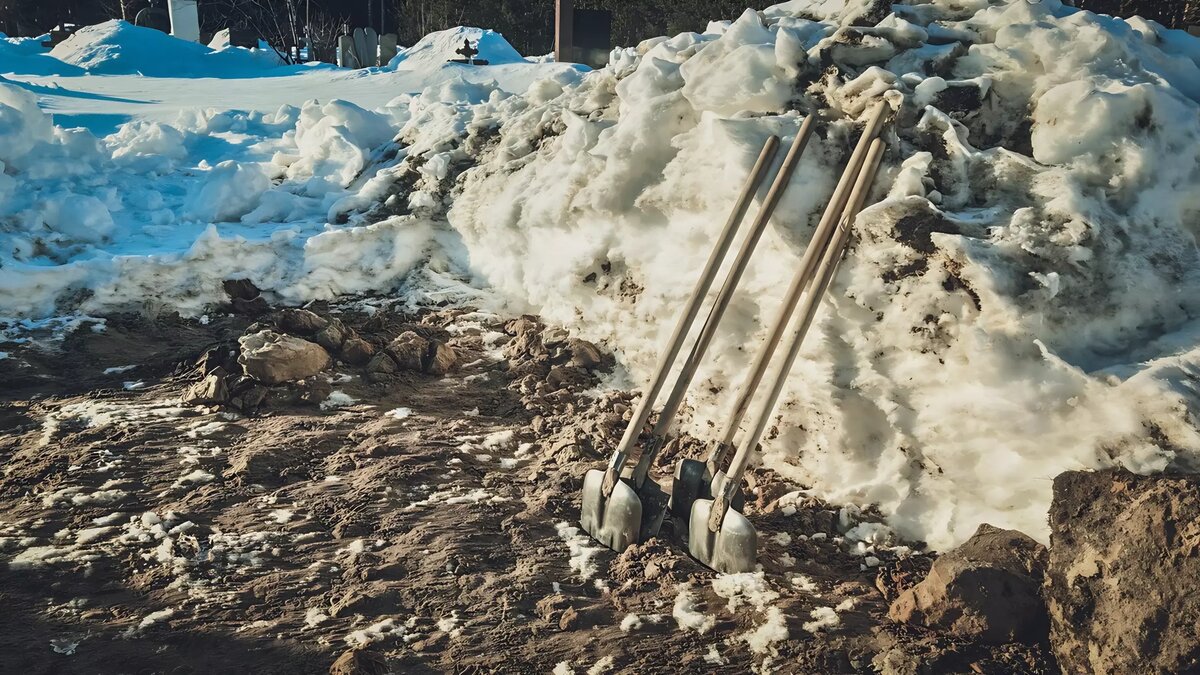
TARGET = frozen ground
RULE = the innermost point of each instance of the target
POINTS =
(1020, 300)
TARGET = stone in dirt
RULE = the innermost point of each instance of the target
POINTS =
(299, 321)
(410, 351)
(987, 589)
(272, 358)
(360, 662)
(357, 351)
(212, 390)
(1123, 580)
(585, 354)
(240, 289)
(332, 336)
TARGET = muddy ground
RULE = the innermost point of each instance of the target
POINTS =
(425, 521)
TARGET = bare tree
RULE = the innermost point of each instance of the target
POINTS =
(323, 31)
(276, 21)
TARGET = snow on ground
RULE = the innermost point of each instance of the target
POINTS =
(1021, 300)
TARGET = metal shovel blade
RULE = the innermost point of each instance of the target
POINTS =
(731, 550)
(691, 483)
(623, 519)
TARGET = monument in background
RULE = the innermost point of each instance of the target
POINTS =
(185, 20)
(581, 35)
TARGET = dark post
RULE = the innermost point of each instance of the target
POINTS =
(564, 34)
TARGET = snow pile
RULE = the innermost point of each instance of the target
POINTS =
(1020, 301)
(435, 49)
(116, 47)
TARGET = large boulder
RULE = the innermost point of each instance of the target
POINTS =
(273, 358)
(1123, 581)
(986, 590)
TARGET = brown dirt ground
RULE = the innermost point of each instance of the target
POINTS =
(310, 526)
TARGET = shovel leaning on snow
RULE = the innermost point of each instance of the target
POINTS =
(720, 536)
(620, 510)
(693, 478)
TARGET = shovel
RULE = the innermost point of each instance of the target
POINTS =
(721, 537)
(611, 511)
(693, 477)
(658, 436)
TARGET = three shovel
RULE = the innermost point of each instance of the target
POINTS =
(720, 536)
(693, 477)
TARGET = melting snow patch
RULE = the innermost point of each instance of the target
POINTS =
(151, 619)
(337, 399)
(314, 617)
(631, 622)
(714, 657)
(824, 618)
(686, 613)
(449, 625)
(135, 385)
(116, 370)
(773, 630)
(398, 413)
(748, 586)
(604, 665)
(581, 548)
(374, 633)
(563, 668)
(499, 440)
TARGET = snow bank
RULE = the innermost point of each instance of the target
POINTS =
(1022, 299)
(435, 49)
(116, 47)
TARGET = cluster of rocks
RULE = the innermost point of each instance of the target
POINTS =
(1118, 591)
(278, 361)
(548, 368)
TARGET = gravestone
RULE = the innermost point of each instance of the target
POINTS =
(387, 48)
(370, 55)
(592, 33)
(243, 37)
(469, 52)
(346, 56)
(581, 35)
(154, 17)
(360, 48)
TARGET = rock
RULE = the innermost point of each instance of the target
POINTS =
(360, 662)
(212, 390)
(408, 350)
(1123, 580)
(413, 352)
(248, 399)
(382, 364)
(585, 354)
(221, 356)
(273, 358)
(554, 336)
(987, 589)
(569, 619)
(441, 359)
(332, 335)
(256, 307)
(299, 321)
(356, 351)
(240, 289)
